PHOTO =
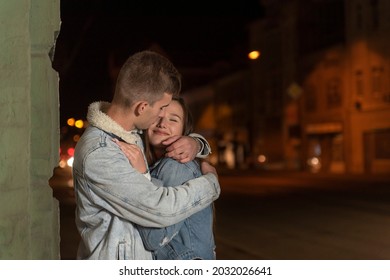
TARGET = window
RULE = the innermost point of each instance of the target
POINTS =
(377, 81)
(359, 83)
(333, 94)
(382, 144)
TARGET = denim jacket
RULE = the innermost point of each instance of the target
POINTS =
(111, 196)
(190, 239)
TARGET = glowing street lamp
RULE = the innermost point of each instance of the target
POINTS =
(70, 121)
(253, 55)
(79, 124)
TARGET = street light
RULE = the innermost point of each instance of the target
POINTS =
(253, 55)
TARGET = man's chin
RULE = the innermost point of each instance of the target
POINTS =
(141, 127)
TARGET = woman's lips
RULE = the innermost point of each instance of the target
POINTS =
(159, 132)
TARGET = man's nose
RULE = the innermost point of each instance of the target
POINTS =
(162, 113)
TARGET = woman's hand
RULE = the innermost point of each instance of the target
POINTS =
(133, 154)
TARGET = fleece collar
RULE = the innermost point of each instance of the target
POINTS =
(97, 117)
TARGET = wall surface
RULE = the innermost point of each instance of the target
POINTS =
(29, 130)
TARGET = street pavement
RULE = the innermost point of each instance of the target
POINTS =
(283, 216)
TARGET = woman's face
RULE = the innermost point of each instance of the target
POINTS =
(171, 124)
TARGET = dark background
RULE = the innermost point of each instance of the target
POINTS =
(96, 37)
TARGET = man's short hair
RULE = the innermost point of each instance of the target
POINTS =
(146, 75)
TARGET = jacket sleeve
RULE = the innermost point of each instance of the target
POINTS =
(205, 150)
(171, 173)
(116, 187)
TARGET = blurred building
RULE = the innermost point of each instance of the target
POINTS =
(317, 99)
(222, 111)
(297, 94)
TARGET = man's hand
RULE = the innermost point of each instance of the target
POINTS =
(181, 148)
(206, 167)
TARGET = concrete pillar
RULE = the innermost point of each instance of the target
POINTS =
(29, 130)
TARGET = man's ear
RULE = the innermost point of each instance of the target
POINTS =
(140, 107)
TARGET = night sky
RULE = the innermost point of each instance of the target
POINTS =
(192, 34)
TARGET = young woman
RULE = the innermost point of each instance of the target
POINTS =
(192, 238)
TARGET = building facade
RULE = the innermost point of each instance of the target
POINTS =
(321, 87)
(368, 82)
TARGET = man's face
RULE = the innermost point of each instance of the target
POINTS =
(153, 113)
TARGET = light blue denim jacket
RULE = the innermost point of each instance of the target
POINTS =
(111, 196)
(190, 239)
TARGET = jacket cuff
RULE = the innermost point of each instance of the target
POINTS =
(205, 150)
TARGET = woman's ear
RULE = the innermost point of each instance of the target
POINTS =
(140, 107)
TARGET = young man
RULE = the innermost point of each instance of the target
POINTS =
(112, 196)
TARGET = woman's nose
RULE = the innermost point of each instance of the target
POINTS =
(161, 123)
